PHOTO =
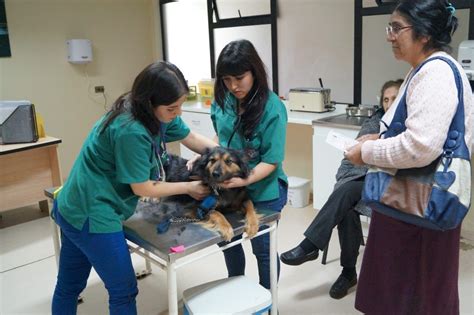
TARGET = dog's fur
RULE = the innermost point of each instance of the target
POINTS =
(213, 167)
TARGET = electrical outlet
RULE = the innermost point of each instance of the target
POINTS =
(99, 89)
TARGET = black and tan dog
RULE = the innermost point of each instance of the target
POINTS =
(213, 167)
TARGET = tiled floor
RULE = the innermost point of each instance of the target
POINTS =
(28, 272)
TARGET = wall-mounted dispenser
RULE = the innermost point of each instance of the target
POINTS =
(79, 50)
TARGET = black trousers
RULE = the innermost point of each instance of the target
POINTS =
(339, 211)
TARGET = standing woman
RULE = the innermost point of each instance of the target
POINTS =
(409, 269)
(248, 116)
(121, 160)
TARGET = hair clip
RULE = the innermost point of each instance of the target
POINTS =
(451, 8)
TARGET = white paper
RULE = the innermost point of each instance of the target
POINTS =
(339, 141)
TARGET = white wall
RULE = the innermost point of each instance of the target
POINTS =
(122, 35)
(315, 39)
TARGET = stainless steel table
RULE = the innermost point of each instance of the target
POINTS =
(155, 248)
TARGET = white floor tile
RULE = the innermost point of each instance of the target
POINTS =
(25, 243)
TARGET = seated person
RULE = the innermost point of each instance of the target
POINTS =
(339, 210)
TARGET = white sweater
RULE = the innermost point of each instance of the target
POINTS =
(431, 104)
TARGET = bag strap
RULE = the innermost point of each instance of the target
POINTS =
(455, 145)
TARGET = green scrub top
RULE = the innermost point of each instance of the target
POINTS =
(98, 187)
(267, 143)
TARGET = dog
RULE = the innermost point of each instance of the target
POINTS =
(213, 168)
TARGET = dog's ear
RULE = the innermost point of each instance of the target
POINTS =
(242, 160)
(199, 166)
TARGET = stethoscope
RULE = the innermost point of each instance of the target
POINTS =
(239, 119)
(161, 154)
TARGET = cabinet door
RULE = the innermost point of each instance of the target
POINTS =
(200, 123)
(326, 161)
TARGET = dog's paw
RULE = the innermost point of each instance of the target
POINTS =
(251, 229)
(227, 233)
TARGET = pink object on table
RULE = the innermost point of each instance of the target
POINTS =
(177, 249)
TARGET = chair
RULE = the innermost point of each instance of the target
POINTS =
(234, 295)
(364, 210)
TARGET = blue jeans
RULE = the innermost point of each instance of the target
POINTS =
(108, 254)
(235, 257)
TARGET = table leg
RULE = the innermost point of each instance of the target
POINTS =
(142, 274)
(172, 289)
(147, 263)
(55, 233)
(273, 268)
(43, 205)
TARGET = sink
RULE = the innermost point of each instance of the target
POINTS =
(341, 119)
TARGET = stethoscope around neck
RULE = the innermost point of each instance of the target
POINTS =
(239, 118)
(161, 154)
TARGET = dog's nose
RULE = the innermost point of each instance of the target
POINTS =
(216, 173)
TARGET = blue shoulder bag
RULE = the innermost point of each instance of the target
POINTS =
(436, 196)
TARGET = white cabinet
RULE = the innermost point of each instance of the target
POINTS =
(200, 123)
(326, 161)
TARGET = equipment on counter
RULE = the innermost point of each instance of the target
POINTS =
(17, 122)
(361, 110)
(192, 95)
(206, 88)
(466, 59)
(316, 100)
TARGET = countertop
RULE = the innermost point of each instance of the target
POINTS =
(12, 148)
(294, 117)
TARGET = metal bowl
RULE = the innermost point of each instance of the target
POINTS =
(360, 111)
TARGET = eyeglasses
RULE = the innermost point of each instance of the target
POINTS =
(395, 30)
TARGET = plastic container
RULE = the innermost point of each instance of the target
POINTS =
(206, 88)
(192, 95)
(234, 295)
(298, 191)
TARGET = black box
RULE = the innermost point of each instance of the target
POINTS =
(17, 122)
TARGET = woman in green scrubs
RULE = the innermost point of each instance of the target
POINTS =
(248, 116)
(121, 160)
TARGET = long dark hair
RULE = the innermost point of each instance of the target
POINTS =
(430, 18)
(160, 83)
(236, 58)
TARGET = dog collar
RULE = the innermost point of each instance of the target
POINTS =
(203, 209)
(206, 205)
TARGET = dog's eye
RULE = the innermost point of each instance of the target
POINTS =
(212, 160)
(228, 162)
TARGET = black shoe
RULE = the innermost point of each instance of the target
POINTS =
(297, 256)
(342, 285)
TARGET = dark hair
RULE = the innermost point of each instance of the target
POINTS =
(431, 18)
(392, 83)
(236, 58)
(160, 83)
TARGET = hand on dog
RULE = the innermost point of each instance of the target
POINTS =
(234, 182)
(197, 190)
(190, 163)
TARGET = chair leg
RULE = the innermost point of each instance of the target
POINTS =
(362, 241)
(325, 254)
(325, 251)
